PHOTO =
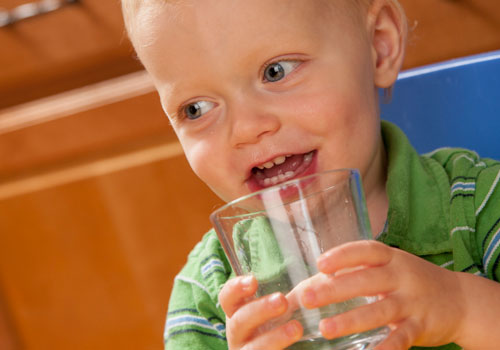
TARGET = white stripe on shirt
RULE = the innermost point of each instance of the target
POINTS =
(462, 228)
(191, 281)
(490, 192)
(473, 161)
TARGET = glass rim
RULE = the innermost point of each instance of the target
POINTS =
(275, 187)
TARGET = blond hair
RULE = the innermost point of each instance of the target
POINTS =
(130, 9)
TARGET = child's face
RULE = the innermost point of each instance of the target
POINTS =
(246, 83)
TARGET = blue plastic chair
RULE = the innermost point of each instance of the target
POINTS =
(451, 104)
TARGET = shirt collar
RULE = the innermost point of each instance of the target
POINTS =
(418, 190)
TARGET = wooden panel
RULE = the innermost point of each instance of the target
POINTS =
(98, 211)
(445, 29)
(8, 339)
(71, 47)
(122, 112)
(90, 264)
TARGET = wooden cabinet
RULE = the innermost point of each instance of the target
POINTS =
(98, 207)
(445, 29)
(71, 47)
(98, 210)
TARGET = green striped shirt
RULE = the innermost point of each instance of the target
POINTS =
(443, 206)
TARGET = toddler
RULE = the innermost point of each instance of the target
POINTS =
(252, 86)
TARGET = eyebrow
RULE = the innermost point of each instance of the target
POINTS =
(173, 94)
(174, 119)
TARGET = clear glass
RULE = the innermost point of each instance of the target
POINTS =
(278, 233)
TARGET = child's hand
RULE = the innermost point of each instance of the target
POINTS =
(421, 302)
(244, 315)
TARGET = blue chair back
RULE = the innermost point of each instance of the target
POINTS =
(451, 104)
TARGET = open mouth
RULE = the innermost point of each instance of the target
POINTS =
(281, 169)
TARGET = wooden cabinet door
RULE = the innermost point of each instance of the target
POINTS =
(98, 211)
(445, 29)
(74, 46)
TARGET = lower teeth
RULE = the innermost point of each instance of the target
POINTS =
(288, 175)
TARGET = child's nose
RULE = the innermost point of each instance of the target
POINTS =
(251, 120)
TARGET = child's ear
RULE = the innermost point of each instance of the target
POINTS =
(388, 29)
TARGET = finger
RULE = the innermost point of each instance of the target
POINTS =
(401, 338)
(244, 322)
(236, 292)
(296, 295)
(278, 338)
(363, 318)
(354, 254)
(326, 289)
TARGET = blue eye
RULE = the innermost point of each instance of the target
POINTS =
(278, 70)
(197, 109)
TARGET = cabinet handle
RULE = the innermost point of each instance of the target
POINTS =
(31, 9)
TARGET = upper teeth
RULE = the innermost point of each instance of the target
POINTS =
(276, 161)
(282, 177)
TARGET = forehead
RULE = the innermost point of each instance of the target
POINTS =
(174, 40)
(186, 13)
(205, 24)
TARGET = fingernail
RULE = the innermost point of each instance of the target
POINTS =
(291, 329)
(328, 328)
(309, 297)
(322, 264)
(246, 282)
(275, 301)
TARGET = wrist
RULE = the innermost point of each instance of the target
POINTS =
(479, 300)
(462, 329)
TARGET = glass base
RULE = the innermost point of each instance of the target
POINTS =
(360, 341)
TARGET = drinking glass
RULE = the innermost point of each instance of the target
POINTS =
(277, 234)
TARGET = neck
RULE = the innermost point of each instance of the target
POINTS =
(376, 195)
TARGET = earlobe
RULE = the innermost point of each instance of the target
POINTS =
(388, 34)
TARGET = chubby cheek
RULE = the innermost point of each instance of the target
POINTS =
(327, 113)
(345, 120)
(208, 167)
(199, 157)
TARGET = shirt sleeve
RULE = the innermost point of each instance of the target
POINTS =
(474, 211)
(487, 212)
(195, 320)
